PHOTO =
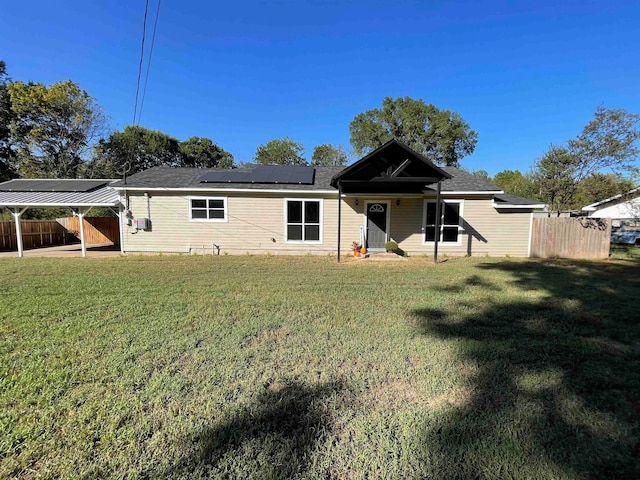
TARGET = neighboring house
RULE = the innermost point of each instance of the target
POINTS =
(623, 209)
(388, 195)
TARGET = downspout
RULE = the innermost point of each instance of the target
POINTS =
(339, 216)
(437, 232)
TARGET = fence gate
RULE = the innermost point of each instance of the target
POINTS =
(579, 237)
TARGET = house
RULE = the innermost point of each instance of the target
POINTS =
(390, 194)
(622, 209)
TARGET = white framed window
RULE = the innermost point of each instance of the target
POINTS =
(303, 220)
(450, 222)
(208, 209)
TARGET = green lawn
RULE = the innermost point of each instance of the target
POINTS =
(624, 252)
(280, 367)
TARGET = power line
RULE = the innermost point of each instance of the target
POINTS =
(146, 78)
(144, 34)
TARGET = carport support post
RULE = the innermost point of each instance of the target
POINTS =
(16, 215)
(437, 233)
(81, 214)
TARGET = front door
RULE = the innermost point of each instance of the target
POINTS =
(376, 225)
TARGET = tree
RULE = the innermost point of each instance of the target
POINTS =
(555, 176)
(203, 153)
(440, 135)
(609, 141)
(134, 149)
(54, 128)
(329, 155)
(6, 118)
(282, 151)
(481, 174)
(516, 183)
(600, 186)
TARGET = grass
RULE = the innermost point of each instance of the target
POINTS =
(624, 252)
(281, 367)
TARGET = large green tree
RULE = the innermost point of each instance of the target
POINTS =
(137, 148)
(133, 150)
(280, 151)
(608, 142)
(54, 129)
(440, 135)
(516, 183)
(7, 161)
(203, 153)
(329, 155)
(555, 176)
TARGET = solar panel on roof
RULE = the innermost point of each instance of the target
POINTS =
(282, 174)
(51, 185)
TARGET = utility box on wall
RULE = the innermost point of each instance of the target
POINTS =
(142, 224)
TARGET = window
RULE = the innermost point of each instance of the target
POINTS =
(203, 209)
(451, 214)
(303, 220)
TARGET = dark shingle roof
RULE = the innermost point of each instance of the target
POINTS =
(184, 178)
(509, 199)
(462, 181)
(171, 177)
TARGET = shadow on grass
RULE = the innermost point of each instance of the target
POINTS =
(556, 388)
(272, 437)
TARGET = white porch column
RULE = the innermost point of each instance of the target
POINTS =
(83, 242)
(16, 215)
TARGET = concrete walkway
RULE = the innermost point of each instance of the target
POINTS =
(75, 250)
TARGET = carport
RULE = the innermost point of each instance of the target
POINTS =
(80, 196)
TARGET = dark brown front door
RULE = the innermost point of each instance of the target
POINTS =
(376, 225)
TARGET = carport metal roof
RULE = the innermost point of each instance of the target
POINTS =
(56, 193)
(81, 195)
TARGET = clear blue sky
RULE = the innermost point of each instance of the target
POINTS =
(522, 74)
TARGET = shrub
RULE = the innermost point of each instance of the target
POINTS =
(399, 251)
(391, 246)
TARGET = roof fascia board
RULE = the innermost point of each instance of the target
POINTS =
(200, 189)
(510, 205)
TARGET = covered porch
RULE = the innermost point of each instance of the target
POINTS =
(379, 185)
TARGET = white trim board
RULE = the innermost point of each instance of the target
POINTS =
(500, 206)
(222, 190)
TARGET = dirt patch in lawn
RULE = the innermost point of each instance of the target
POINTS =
(398, 394)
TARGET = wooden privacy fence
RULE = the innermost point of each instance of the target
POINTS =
(35, 233)
(97, 230)
(570, 237)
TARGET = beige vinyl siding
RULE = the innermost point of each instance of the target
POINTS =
(487, 231)
(256, 224)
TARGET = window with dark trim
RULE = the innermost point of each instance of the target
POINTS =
(208, 209)
(303, 220)
(449, 222)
